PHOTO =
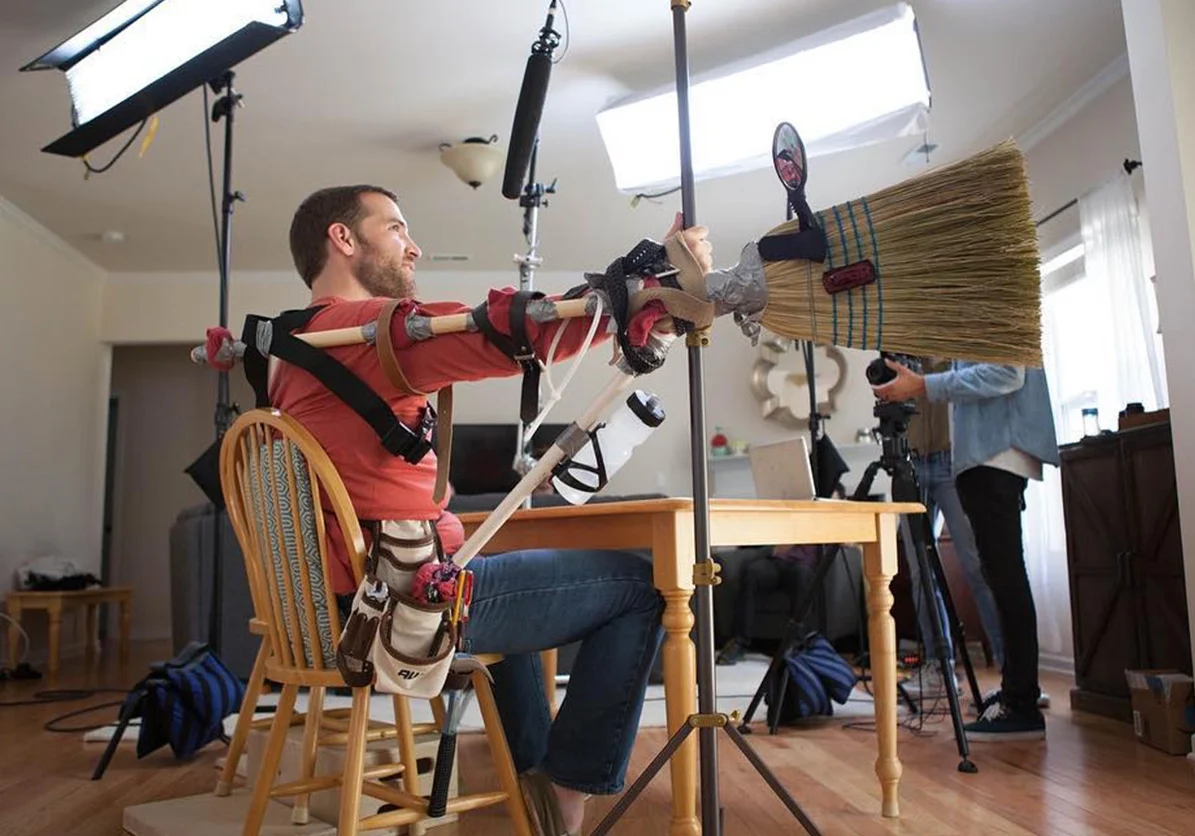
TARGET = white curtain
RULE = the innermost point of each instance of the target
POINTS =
(1101, 348)
(1115, 267)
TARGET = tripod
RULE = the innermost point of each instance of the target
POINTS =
(707, 719)
(895, 460)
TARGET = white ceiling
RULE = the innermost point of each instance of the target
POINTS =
(367, 89)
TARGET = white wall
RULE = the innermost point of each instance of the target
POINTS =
(54, 407)
(1084, 152)
(1159, 34)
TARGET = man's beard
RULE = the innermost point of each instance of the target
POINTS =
(388, 278)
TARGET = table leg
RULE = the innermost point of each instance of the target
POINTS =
(14, 634)
(126, 625)
(93, 631)
(55, 614)
(879, 567)
(680, 699)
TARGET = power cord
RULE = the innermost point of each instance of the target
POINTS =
(69, 695)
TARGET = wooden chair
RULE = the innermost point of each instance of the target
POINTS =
(277, 482)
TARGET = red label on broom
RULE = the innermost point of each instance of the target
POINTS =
(851, 276)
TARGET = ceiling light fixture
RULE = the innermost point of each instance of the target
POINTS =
(145, 54)
(852, 85)
(474, 160)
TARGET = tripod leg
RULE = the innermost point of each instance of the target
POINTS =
(772, 781)
(960, 633)
(918, 533)
(657, 763)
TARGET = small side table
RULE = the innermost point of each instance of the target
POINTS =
(55, 602)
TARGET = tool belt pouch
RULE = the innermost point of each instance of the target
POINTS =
(399, 548)
(414, 649)
(400, 645)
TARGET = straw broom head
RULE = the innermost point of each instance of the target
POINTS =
(956, 268)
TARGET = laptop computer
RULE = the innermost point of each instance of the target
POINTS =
(781, 469)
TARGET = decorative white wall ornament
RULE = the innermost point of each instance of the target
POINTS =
(779, 383)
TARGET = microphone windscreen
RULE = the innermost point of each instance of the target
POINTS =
(526, 123)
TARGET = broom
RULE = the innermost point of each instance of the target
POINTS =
(955, 273)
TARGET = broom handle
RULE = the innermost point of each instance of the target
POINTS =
(552, 457)
(448, 324)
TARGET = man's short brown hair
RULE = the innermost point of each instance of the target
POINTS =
(321, 209)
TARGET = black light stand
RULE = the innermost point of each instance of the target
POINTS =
(707, 719)
(223, 108)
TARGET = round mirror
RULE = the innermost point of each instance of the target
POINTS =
(788, 156)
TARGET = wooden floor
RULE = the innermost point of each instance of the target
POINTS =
(1091, 777)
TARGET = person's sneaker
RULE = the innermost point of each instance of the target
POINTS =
(998, 722)
(732, 653)
(926, 681)
(1043, 701)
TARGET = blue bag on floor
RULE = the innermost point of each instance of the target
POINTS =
(817, 677)
(182, 704)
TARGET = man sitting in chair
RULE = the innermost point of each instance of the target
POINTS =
(353, 248)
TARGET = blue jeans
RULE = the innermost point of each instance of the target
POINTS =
(939, 494)
(529, 601)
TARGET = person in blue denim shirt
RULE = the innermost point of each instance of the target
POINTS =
(929, 442)
(1003, 435)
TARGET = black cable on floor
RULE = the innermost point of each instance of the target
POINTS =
(70, 695)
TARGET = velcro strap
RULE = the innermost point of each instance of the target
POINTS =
(518, 347)
(807, 244)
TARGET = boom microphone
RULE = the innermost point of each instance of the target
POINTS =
(530, 107)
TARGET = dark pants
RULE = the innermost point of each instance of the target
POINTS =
(761, 576)
(993, 500)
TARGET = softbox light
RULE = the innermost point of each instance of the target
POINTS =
(145, 54)
(855, 84)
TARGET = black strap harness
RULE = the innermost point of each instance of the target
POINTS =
(517, 347)
(647, 258)
(396, 437)
(277, 339)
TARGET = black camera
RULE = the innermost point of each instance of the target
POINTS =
(878, 372)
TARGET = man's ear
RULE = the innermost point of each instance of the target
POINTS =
(342, 239)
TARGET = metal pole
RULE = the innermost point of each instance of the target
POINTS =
(531, 200)
(223, 109)
(706, 688)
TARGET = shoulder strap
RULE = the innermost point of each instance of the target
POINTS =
(256, 361)
(388, 359)
(395, 437)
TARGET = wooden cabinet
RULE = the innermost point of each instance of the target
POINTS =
(1125, 562)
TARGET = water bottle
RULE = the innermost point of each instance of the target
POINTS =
(626, 429)
(1091, 421)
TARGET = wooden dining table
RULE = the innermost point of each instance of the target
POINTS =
(666, 527)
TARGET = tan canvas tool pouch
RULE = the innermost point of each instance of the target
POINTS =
(401, 645)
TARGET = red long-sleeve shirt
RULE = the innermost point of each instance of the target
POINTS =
(383, 486)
